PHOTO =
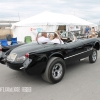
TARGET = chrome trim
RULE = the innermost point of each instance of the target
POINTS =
(78, 53)
(21, 67)
(9, 57)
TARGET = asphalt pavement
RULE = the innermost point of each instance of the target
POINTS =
(81, 82)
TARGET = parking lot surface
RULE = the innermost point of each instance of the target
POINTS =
(81, 82)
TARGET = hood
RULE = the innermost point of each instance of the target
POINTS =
(30, 47)
(27, 48)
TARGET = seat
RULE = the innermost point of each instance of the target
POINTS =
(8, 37)
(28, 39)
(4, 42)
(14, 41)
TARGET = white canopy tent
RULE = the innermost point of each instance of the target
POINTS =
(47, 21)
(49, 18)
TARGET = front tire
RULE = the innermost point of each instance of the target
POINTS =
(93, 56)
(55, 70)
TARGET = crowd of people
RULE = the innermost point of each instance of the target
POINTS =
(90, 32)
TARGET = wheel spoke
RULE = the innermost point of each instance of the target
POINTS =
(57, 71)
(53, 74)
(94, 56)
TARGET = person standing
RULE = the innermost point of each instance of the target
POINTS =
(93, 33)
(87, 31)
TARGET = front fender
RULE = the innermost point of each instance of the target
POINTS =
(35, 65)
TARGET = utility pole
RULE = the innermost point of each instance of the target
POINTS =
(18, 16)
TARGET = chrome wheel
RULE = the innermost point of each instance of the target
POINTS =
(94, 56)
(57, 71)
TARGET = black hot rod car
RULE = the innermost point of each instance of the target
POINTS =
(49, 59)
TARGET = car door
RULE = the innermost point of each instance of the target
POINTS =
(88, 46)
(74, 51)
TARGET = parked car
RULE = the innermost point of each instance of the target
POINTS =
(6, 50)
(50, 59)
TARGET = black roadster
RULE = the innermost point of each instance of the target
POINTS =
(49, 59)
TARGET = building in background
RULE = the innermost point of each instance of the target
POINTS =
(5, 28)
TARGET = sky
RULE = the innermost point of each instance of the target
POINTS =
(21, 9)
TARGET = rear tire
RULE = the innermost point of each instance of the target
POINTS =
(93, 56)
(55, 70)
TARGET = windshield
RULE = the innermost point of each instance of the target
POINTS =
(67, 35)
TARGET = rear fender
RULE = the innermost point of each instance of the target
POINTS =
(96, 45)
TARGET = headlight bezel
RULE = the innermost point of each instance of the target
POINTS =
(19, 59)
(16, 58)
(11, 57)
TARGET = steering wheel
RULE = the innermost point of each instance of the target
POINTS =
(67, 40)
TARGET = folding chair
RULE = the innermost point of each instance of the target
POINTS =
(28, 39)
(4, 42)
(14, 41)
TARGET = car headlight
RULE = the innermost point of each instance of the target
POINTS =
(22, 58)
(11, 57)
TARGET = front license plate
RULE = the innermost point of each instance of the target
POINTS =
(27, 62)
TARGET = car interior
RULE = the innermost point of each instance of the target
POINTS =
(64, 36)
